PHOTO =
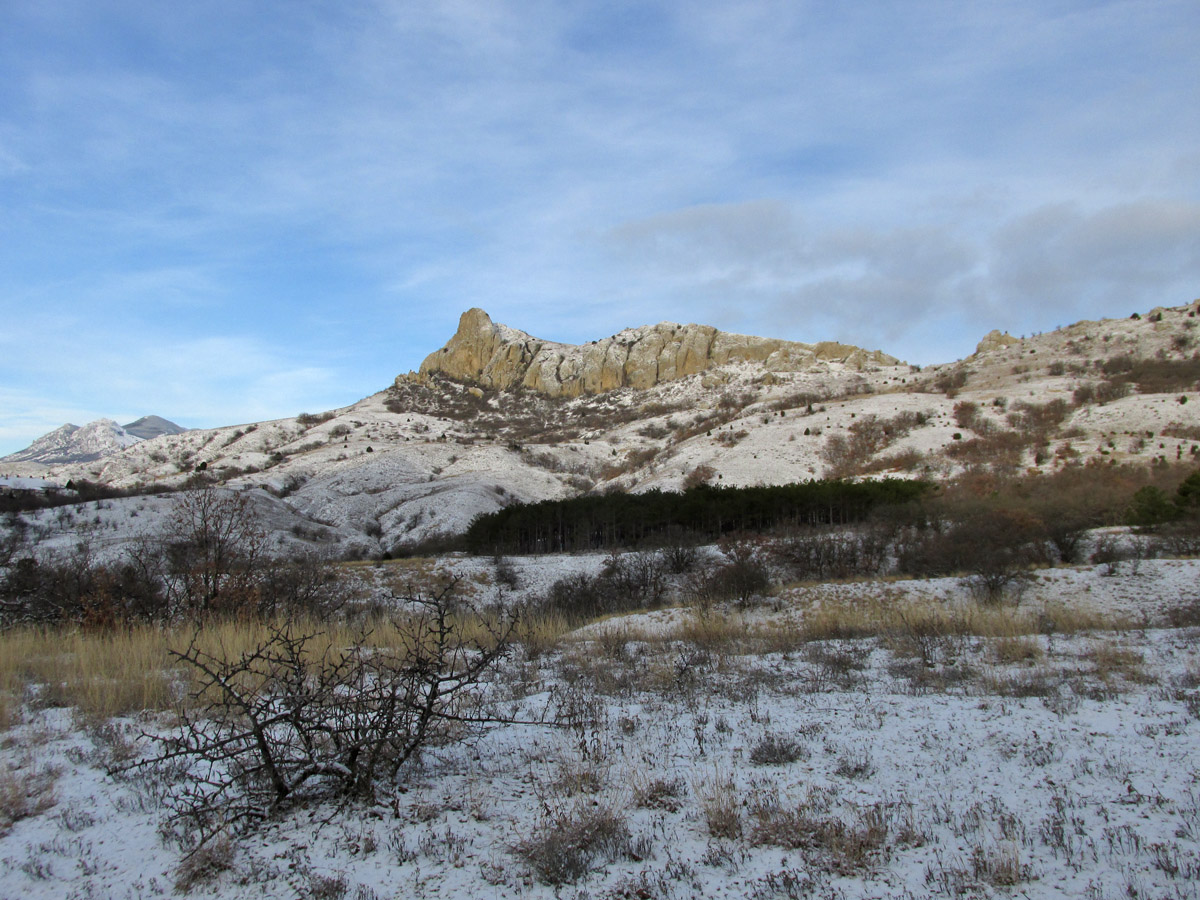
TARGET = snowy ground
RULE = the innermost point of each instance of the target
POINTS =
(1039, 766)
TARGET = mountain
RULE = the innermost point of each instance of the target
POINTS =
(148, 427)
(74, 444)
(498, 415)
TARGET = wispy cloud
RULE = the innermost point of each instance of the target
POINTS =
(330, 185)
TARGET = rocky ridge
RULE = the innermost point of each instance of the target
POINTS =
(497, 357)
(70, 444)
(423, 457)
(74, 444)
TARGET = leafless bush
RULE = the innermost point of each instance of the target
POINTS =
(966, 414)
(998, 449)
(774, 749)
(950, 383)
(1182, 431)
(295, 716)
(308, 420)
(659, 793)
(845, 848)
(850, 454)
(634, 579)
(1180, 539)
(994, 547)
(566, 844)
(505, 573)
(24, 792)
(829, 554)
(1115, 553)
(679, 553)
(740, 576)
(205, 865)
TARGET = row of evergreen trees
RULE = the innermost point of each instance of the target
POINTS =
(705, 513)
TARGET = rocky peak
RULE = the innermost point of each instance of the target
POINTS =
(502, 358)
(72, 444)
(996, 340)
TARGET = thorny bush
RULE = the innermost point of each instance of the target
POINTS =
(296, 717)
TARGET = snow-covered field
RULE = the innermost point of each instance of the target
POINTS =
(1041, 765)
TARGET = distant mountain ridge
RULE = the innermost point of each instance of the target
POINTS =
(148, 427)
(95, 440)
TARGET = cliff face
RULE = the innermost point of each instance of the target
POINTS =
(501, 358)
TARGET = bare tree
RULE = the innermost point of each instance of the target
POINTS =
(212, 547)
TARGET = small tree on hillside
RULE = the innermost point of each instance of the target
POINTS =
(213, 547)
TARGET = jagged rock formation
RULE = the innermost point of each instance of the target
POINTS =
(497, 357)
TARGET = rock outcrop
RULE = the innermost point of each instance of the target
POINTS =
(996, 340)
(501, 358)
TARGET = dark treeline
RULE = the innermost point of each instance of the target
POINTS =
(80, 491)
(705, 513)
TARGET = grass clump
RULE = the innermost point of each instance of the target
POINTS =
(567, 844)
(777, 750)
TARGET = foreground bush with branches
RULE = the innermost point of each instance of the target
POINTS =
(297, 716)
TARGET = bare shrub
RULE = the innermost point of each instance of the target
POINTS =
(966, 415)
(774, 749)
(702, 474)
(566, 844)
(25, 792)
(826, 554)
(634, 579)
(849, 454)
(1116, 553)
(951, 382)
(679, 552)
(213, 546)
(845, 848)
(1039, 420)
(205, 864)
(994, 546)
(659, 793)
(297, 715)
(504, 573)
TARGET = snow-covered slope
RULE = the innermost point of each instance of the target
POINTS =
(75, 444)
(429, 453)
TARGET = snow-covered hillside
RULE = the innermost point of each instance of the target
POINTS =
(428, 454)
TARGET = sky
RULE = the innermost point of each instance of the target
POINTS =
(222, 212)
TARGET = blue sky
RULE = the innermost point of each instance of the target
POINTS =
(224, 211)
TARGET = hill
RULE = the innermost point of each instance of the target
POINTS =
(497, 415)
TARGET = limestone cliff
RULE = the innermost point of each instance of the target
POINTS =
(501, 358)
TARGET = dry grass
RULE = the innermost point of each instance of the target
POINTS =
(928, 617)
(565, 845)
(25, 790)
(1014, 650)
(719, 805)
(107, 673)
(540, 634)
(1111, 662)
(101, 674)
